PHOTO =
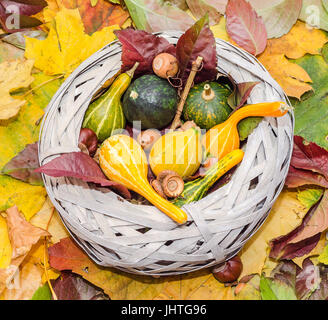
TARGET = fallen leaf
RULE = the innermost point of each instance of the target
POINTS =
(5, 251)
(278, 16)
(299, 41)
(27, 281)
(29, 199)
(66, 255)
(42, 293)
(214, 9)
(245, 27)
(302, 239)
(286, 214)
(309, 197)
(23, 165)
(22, 237)
(249, 290)
(321, 293)
(315, 14)
(82, 166)
(314, 253)
(219, 30)
(155, 16)
(9, 20)
(298, 177)
(197, 41)
(102, 14)
(307, 280)
(311, 113)
(22, 234)
(48, 218)
(70, 286)
(74, 47)
(309, 156)
(291, 77)
(13, 75)
(141, 46)
(281, 283)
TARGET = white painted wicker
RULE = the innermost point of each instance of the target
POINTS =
(141, 239)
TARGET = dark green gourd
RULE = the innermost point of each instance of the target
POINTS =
(151, 100)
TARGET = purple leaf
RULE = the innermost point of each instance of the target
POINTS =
(305, 237)
(298, 177)
(23, 165)
(309, 156)
(141, 46)
(197, 41)
(70, 286)
(82, 166)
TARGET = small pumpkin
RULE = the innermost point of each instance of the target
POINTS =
(207, 104)
(180, 151)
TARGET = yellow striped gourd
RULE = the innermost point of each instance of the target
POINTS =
(105, 115)
(123, 160)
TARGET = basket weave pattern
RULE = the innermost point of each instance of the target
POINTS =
(140, 239)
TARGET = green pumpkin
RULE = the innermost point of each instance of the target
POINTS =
(151, 100)
(207, 104)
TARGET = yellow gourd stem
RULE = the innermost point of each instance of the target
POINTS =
(265, 109)
(162, 204)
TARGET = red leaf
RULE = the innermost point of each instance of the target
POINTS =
(70, 286)
(309, 156)
(80, 165)
(245, 27)
(198, 40)
(304, 238)
(25, 10)
(141, 46)
(66, 255)
(298, 177)
(23, 165)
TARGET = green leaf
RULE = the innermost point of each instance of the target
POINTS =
(43, 293)
(276, 290)
(311, 113)
(309, 197)
(315, 13)
(246, 126)
(155, 15)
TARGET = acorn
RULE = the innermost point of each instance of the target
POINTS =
(229, 271)
(88, 141)
(165, 65)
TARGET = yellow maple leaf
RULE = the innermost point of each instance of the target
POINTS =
(286, 214)
(298, 41)
(13, 75)
(29, 199)
(67, 45)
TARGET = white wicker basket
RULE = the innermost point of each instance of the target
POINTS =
(141, 239)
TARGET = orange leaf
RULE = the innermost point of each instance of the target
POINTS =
(21, 233)
(103, 14)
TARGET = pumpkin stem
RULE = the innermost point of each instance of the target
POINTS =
(130, 72)
(208, 94)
